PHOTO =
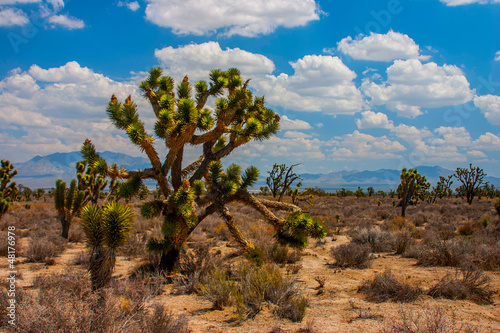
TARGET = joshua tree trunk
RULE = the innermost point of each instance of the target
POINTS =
(169, 259)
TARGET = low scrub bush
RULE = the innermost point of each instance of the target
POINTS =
(378, 239)
(351, 255)
(388, 287)
(248, 287)
(194, 267)
(427, 321)
(45, 249)
(467, 283)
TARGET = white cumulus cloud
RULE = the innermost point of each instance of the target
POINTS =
(468, 2)
(67, 22)
(12, 16)
(370, 119)
(197, 60)
(297, 124)
(57, 108)
(497, 56)
(245, 18)
(320, 83)
(380, 47)
(490, 107)
(412, 85)
(358, 145)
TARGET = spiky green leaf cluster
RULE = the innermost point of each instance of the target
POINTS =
(297, 227)
(7, 186)
(227, 183)
(152, 209)
(68, 202)
(109, 225)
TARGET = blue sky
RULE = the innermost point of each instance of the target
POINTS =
(359, 84)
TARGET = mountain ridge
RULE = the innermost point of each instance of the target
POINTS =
(43, 171)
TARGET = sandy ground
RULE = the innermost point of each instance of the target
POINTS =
(338, 308)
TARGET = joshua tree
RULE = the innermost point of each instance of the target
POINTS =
(471, 180)
(92, 174)
(280, 179)
(412, 188)
(68, 203)
(370, 191)
(7, 186)
(106, 229)
(192, 191)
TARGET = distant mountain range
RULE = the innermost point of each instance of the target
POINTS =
(42, 171)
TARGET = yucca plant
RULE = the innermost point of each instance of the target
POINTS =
(106, 228)
(68, 203)
(7, 186)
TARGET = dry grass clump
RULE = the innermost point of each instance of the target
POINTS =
(388, 287)
(65, 303)
(467, 283)
(482, 250)
(194, 267)
(248, 287)
(45, 249)
(351, 255)
(427, 321)
(378, 239)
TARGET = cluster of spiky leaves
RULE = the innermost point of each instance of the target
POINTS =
(7, 186)
(225, 184)
(93, 173)
(298, 227)
(107, 226)
(68, 203)
(106, 229)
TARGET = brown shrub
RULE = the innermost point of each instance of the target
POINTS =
(351, 255)
(387, 287)
(378, 239)
(467, 283)
(427, 321)
(45, 249)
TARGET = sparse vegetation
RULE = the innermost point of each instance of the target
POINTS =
(388, 287)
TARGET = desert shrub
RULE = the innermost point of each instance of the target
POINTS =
(162, 320)
(402, 241)
(427, 321)
(81, 258)
(219, 289)
(194, 267)
(135, 247)
(378, 239)
(467, 283)
(388, 287)
(4, 246)
(249, 286)
(351, 255)
(487, 257)
(440, 252)
(293, 308)
(45, 248)
(65, 303)
(280, 254)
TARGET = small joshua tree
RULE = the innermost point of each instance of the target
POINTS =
(68, 203)
(280, 179)
(471, 180)
(7, 186)
(412, 188)
(370, 191)
(192, 191)
(106, 229)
